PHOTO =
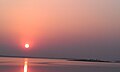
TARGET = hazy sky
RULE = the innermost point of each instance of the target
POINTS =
(61, 28)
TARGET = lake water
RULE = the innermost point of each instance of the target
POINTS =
(54, 65)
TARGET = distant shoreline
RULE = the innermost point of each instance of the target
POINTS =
(25, 57)
(90, 60)
(68, 59)
(32, 57)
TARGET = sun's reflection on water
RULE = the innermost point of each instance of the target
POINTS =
(26, 65)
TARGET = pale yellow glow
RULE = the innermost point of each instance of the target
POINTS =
(25, 65)
(27, 46)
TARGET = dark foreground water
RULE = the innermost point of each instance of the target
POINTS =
(54, 65)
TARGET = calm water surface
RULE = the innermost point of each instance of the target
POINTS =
(54, 65)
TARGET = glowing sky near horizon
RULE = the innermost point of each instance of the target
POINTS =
(75, 28)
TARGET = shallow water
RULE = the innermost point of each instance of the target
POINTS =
(54, 65)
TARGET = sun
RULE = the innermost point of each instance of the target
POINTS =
(27, 45)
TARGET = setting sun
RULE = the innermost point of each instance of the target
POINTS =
(27, 46)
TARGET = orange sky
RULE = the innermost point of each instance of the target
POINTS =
(47, 21)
